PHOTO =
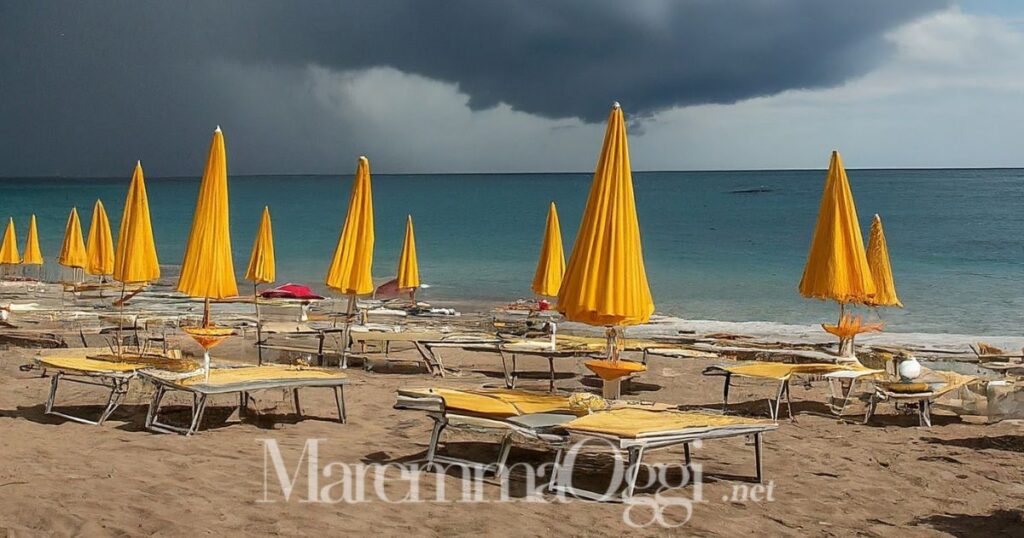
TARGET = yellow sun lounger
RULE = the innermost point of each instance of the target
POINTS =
(634, 428)
(241, 380)
(108, 374)
(637, 431)
(783, 372)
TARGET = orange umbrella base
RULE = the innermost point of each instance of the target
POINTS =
(610, 370)
(209, 337)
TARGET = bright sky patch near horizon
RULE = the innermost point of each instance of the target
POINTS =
(486, 86)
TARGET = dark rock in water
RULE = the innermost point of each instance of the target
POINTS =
(755, 190)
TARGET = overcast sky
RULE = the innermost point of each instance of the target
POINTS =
(86, 88)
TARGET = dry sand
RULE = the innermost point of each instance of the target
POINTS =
(830, 477)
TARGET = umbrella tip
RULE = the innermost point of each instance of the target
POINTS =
(217, 130)
(616, 104)
(363, 158)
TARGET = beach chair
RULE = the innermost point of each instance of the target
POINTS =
(918, 394)
(844, 377)
(377, 345)
(637, 431)
(632, 428)
(114, 376)
(486, 410)
(241, 381)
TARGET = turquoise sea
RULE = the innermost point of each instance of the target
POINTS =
(718, 245)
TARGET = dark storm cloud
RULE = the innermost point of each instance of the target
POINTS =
(87, 85)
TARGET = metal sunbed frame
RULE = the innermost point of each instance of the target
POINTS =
(201, 392)
(558, 437)
(117, 382)
(636, 447)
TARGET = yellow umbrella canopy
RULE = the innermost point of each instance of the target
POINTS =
(351, 267)
(72, 250)
(33, 256)
(261, 263)
(605, 282)
(207, 270)
(100, 245)
(9, 248)
(551, 265)
(408, 266)
(881, 269)
(135, 260)
(837, 267)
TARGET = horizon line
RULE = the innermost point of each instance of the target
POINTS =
(695, 170)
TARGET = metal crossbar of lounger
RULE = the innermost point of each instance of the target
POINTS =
(635, 448)
(202, 391)
(112, 376)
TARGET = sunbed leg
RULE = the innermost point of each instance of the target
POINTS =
(555, 469)
(789, 402)
(339, 398)
(725, 392)
(773, 407)
(924, 413)
(632, 470)
(243, 403)
(509, 382)
(295, 398)
(551, 366)
(197, 414)
(117, 392)
(872, 405)
(154, 407)
(53, 392)
(515, 373)
(506, 447)
(757, 457)
(687, 460)
(435, 438)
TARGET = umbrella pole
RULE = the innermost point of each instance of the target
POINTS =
(259, 325)
(206, 325)
(348, 330)
(611, 389)
(120, 321)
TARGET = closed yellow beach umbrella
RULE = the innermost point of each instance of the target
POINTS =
(100, 245)
(837, 267)
(207, 270)
(551, 265)
(605, 282)
(72, 250)
(408, 265)
(261, 270)
(9, 249)
(261, 262)
(881, 269)
(351, 267)
(33, 255)
(351, 270)
(135, 260)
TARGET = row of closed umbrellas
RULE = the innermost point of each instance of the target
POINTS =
(604, 282)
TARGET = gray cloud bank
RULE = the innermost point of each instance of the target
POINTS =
(88, 87)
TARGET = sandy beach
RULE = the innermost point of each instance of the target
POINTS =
(829, 477)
